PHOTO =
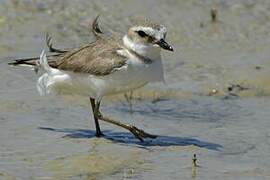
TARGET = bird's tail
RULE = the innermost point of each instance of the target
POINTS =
(33, 61)
(43, 81)
(24, 61)
(43, 62)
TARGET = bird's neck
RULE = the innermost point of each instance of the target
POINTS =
(149, 52)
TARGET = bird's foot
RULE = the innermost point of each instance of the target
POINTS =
(140, 134)
(99, 134)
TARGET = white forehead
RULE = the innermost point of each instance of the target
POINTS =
(158, 32)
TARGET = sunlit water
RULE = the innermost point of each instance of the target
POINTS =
(215, 102)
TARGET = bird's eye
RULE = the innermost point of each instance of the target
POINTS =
(142, 33)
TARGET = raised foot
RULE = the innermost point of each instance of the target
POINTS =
(140, 134)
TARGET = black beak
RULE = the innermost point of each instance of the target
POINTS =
(163, 44)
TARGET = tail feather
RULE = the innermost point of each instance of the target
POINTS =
(43, 62)
(34, 61)
(24, 61)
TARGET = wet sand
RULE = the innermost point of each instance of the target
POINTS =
(53, 137)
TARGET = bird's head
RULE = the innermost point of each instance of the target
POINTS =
(145, 33)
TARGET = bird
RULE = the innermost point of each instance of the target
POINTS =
(107, 66)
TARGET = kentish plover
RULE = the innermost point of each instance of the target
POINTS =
(104, 67)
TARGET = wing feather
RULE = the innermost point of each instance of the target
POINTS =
(98, 58)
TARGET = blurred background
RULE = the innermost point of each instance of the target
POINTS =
(216, 93)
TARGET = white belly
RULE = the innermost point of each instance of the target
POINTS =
(125, 79)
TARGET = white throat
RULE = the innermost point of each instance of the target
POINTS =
(156, 68)
(150, 52)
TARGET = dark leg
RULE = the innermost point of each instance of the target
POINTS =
(138, 133)
(98, 131)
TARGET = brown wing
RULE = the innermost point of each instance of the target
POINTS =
(97, 58)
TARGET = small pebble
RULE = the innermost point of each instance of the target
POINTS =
(213, 92)
(258, 67)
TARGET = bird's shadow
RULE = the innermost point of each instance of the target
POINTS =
(129, 139)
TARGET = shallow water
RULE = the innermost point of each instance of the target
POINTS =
(194, 112)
